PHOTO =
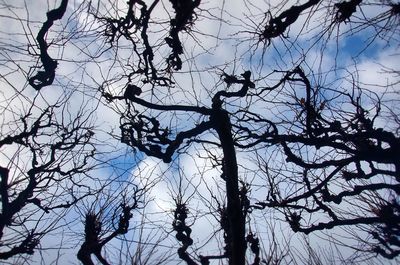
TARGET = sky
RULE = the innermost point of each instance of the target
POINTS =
(224, 38)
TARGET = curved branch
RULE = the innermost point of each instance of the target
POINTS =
(46, 77)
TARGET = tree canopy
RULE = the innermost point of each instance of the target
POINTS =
(195, 132)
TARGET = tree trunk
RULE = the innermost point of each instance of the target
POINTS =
(237, 244)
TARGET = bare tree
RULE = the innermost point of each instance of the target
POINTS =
(46, 146)
(322, 138)
(245, 87)
(43, 162)
(338, 159)
(96, 236)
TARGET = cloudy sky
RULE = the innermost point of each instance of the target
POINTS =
(224, 38)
